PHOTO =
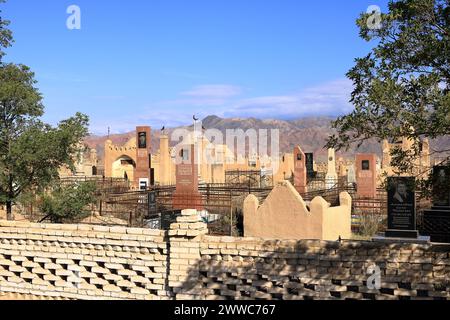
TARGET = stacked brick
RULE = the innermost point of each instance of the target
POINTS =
(185, 236)
(233, 268)
(94, 262)
(17, 296)
(189, 225)
(82, 262)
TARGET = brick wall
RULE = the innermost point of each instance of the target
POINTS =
(82, 262)
(89, 262)
(298, 270)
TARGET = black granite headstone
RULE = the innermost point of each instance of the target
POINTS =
(436, 225)
(436, 221)
(309, 165)
(401, 208)
(142, 143)
(441, 186)
(152, 207)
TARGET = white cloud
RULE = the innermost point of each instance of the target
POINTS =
(193, 102)
(213, 91)
(155, 119)
(203, 96)
(329, 99)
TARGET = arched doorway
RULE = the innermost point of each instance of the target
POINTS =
(123, 167)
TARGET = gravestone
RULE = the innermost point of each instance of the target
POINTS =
(436, 222)
(351, 174)
(441, 186)
(142, 173)
(300, 181)
(401, 208)
(152, 206)
(366, 175)
(331, 179)
(186, 194)
(310, 165)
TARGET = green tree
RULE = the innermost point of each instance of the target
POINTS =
(402, 87)
(67, 203)
(31, 152)
(5, 34)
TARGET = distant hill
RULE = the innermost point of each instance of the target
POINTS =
(310, 133)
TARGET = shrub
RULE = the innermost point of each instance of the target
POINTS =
(370, 224)
(67, 203)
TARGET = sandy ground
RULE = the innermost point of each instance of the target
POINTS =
(17, 216)
(93, 219)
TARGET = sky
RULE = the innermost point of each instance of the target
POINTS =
(158, 62)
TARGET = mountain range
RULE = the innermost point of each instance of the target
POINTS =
(309, 133)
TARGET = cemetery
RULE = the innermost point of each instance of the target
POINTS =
(294, 239)
(341, 191)
(143, 199)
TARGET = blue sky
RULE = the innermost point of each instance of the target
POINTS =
(157, 62)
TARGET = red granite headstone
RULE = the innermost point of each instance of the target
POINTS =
(142, 175)
(300, 181)
(186, 195)
(366, 175)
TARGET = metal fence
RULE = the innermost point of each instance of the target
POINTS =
(222, 203)
(103, 185)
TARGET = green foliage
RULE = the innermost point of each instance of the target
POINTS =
(31, 152)
(402, 88)
(5, 34)
(67, 203)
(26, 199)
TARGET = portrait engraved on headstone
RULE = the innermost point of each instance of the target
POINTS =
(142, 143)
(441, 186)
(184, 155)
(401, 207)
(365, 165)
(309, 164)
